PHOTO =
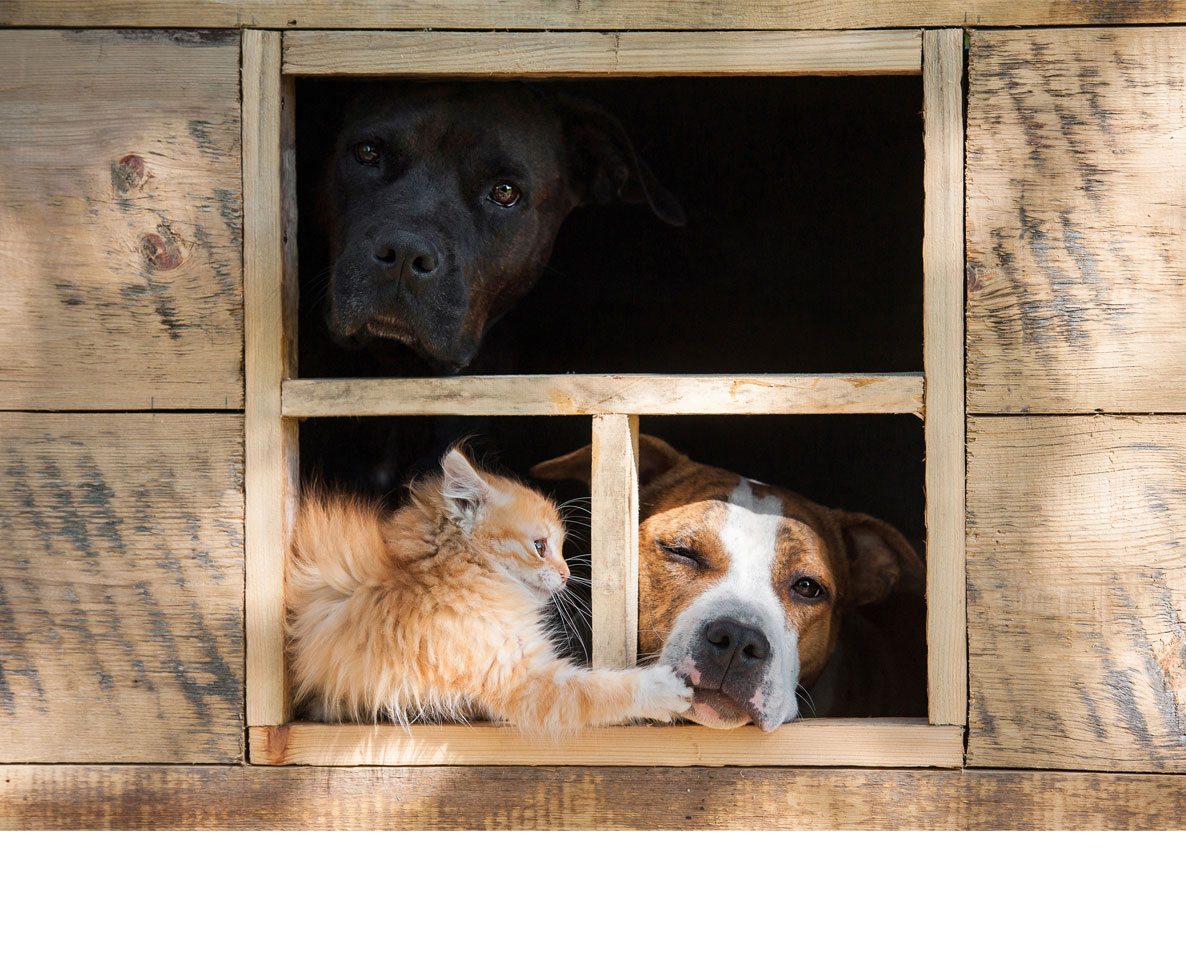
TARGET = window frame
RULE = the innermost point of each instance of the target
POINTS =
(276, 400)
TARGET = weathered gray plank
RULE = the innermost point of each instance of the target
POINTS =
(71, 797)
(121, 587)
(1075, 220)
(120, 220)
(575, 15)
(1077, 592)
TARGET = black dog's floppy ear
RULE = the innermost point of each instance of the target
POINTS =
(880, 560)
(655, 456)
(604, 166)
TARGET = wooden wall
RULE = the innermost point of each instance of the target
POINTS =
(121, 445)
(121, 521)
(1076, 301)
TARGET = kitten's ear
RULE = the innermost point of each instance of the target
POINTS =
(464, 488)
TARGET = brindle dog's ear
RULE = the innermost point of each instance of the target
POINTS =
(880, 560)
(655, 456)
(604, 166)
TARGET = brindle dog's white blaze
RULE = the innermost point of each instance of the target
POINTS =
(746, 593)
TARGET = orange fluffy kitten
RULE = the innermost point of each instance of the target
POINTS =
(440, 609)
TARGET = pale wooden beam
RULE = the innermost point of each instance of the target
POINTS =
(269, 243)
(883, 742)
(647, 54)
(614, 539)
(943, 355)
(564, 394)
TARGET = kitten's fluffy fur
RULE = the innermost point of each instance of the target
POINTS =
(439, 609)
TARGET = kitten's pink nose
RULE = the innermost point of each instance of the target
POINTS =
(564, 573)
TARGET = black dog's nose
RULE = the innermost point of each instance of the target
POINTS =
(408, 254)
(729, 637)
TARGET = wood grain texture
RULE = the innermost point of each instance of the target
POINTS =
(268, 251)
(881, 742)
(651, 53)
(578, 15)
(1076, 269)
(613, 539)
(74, 797)
(121, 587)
(120, 221)
(943, 354)
(566, 394)
(1077, 592)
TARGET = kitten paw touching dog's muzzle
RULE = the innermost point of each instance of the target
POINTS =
(443, 201)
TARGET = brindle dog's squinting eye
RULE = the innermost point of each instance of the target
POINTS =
(541, 546)
(505, 194)
(367, 153)
(807, 588)
(681, 554)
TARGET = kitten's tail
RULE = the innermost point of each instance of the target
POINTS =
(337, 547)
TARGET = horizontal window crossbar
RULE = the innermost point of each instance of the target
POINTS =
(577, 394)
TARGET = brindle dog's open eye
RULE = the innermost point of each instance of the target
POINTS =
(541, 547)
(505, 194)
(807, 587)
(367, 153)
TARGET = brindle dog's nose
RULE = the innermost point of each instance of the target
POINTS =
(412, 256)
(730, 637)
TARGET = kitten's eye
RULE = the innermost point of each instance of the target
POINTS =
(541, 546)
(681, 554)
(367, 153)
(807, 587)
(505, 194)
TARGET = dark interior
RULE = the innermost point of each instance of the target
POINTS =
(802, 253)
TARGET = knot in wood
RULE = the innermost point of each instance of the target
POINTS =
(128, 173)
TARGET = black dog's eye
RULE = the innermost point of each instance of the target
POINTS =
(367, 153)
(505, 194)
(807, 587)
(681, 554)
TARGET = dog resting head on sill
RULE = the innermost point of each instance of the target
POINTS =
(441, 203)
(743, 588)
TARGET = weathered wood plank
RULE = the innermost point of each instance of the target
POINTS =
(943, 330)
(881, 742)
(120, 221)
(121, 587)
(651, 53)
(1076, 269)
(1077, 592)
(561, 394)
(574, 15)
(613, 539)
(272, 442)
(74, 797)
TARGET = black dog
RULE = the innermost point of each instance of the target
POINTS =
(442, 201)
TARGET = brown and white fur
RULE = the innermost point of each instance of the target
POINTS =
(742, 587)
(440, 609)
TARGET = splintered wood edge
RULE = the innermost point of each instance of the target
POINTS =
(576, 394)
(889, 742)
(943, 352)
(265, 364)
(587, 54)
(613, 517)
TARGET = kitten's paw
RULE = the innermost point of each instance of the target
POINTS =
(662, 694)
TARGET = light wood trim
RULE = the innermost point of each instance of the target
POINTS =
(266, 360)
(564, 394)
(870, 743)
(603, 15)
(613, 539)
(662, 53)
(943, 354)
